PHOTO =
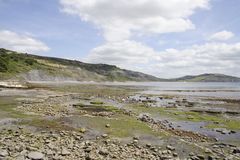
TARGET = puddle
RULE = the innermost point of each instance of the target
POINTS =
(197, 127)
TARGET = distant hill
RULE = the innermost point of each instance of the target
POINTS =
(208, 78)
(27, 67)
(21, 66)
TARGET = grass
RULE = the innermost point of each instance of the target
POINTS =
(120, 126)
(215, 121)
(7, 108)
(96, 108)
(90, 90)
(46, 124)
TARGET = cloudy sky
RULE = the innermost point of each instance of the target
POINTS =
(165, 38)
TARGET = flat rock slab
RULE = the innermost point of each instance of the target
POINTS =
(35, 155)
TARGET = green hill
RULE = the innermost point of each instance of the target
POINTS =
(208, 78)
(20, 66)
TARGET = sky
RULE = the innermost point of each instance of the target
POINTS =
(167, 39)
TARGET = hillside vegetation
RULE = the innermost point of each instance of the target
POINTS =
(14, 65)
(208, 78)
(22, 66)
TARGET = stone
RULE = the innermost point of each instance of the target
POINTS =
(82, 130)
(35, 155)
(4, 153)
(191, 154)
(104, 135)
(171, 148)
(103, 152)
(135, 141)
(201, 157)
(233, 132)
(107, 125)
(222, 130)
(135, 138)
(175, 154)
(210, 158)
(88, 149)
(236, 150)
(190, 117)
(65, 152)
(90, 157)
(208, 150)
(20, 157)
(148, 145)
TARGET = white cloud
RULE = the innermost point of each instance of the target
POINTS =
(126, 54)
(21, 43)
(197, 59)
(120, 19)
(221, 36)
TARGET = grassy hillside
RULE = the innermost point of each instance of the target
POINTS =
(208, 78)
(15, 65)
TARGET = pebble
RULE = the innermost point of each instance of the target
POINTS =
(3, 153)
(148, 145)
(103, 152)
(104, 135)
(135, 141)
(82, 130)
(65, 152)
(35, 155)
(236, 150)
(171, 148)
(107, 125)
(175, 154)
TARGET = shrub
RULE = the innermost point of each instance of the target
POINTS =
(30, 61)
(3, 65)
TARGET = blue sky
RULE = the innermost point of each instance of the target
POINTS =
(66, 35)
(127, 35)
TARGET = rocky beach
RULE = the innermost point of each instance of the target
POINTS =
(99, 121)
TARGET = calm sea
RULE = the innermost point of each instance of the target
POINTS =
(212, 89)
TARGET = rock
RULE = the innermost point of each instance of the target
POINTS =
(35, 155)
(148, 145)
(201, 157)
(88, 149)
(171, 148)
(233, 132)
(104, 135)
(190, 117)
(4, 153)
(222, 131)
(65, 152)
(20, 157)
(175, 154)
(82, 130)
(90, 157)
(103, 152)
(135, 138)
(210, 158)
(236, 150)
(191, 154)
(208, 150)
(107, 125)
(135, 141)
(194, 158)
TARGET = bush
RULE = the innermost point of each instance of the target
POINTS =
(3, 65)
(30, 61)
